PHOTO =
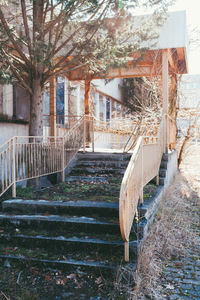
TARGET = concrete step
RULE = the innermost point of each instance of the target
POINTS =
(148, 208)
(165, 157)
(70, 178)
(56, 222)
(64, 252)
(75, 232)
(163, 164)
(162, 172)
(71, 244)
(78, 208)
(98, 163)
(66, 264)
(69, 224)
(102, 156)
(96, 170)
(161, 180)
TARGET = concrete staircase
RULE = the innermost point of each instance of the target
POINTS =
(74, 225)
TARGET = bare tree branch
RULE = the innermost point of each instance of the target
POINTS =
(23, 5)
(11, 36)
(16, 73)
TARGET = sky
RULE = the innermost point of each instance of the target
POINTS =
(192, 8)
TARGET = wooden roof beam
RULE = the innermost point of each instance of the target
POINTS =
(171, 60)
(130, 71)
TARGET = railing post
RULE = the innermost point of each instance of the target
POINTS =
(92, 133)
(141, 196)
(118, 131)
(157, 180)
(84, 133)
(166, 133)
(165, 94)
(63, 159)
(126, 251)
(13, 168)
(142, 168)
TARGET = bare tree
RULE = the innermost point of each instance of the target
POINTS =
(142, 98)
(189, 128)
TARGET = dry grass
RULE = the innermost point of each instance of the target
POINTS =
(175, 229)
(169, 237)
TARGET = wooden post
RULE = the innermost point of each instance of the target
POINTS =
(53, 106)
(142, 168)
(157, 180)
(63, 159)
(78, 101)
(87, 111)
(92, 132)
(13, 168)
(172, 111)
(165, 93)
(173, 96)
(66, 101)
(118, 134)
(87, 94)
(84, 134)
(97, 105)
(141, 198)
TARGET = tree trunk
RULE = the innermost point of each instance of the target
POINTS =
(36, 121)
(183, 146)
(36, 110)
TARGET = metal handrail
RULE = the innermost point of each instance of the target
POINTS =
(28, 157)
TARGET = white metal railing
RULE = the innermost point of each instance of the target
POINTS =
(111, 134)
(26, 157)
(63, 123)
(120, 134)
(23, 158)
(7, 160)
(143, 166)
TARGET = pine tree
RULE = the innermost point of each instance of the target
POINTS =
(43, 38)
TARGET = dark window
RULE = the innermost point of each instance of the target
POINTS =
(21, 103)
(107, 109)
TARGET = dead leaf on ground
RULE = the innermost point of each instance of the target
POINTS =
(72, 276)
(47, 278)
(61, 281)
(98, 280)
